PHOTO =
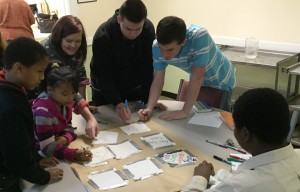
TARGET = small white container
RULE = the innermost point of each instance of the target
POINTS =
(251, 47)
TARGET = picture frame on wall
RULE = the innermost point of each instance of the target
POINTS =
(85, 1)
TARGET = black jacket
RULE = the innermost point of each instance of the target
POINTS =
(119, 64)
(18, 156)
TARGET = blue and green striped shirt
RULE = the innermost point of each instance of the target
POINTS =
(200, 50)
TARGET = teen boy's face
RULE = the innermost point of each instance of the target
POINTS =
(71, 43)
(31, 77)
(63, 94)
(129, 29)
(169, 51)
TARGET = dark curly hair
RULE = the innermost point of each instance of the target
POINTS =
(265, 113)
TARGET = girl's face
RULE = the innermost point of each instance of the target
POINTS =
(71, 43)
(63, 94)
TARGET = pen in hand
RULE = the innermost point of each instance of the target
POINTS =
(143, 113)
(142, 105)
(125, 113)
(86, 151)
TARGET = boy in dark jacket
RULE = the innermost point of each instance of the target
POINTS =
(25, 61)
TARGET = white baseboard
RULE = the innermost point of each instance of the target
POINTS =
(268, 45)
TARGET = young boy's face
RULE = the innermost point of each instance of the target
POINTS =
(63, 94)
(31, 77)
(129, 29)
(169, 51)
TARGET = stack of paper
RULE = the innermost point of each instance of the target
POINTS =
(227, 119)
(201, 107)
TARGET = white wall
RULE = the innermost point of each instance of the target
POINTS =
(274, 22)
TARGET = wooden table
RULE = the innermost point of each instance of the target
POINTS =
(172, 179)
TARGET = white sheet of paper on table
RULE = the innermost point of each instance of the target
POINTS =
(210, 119)
(158, 141)
(100, 155)
(108, 179)
(135, 128)
(124, 149)
(138, 170)
(106, 137)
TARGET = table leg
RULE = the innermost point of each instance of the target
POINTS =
(297, 85)
(288, 87)
(276, 77)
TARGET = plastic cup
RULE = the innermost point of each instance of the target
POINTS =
(251, 48)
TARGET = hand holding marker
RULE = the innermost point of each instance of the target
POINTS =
(126, 113)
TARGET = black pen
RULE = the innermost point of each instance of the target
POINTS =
(223, 160)
(218, 144)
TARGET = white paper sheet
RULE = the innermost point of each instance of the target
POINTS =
(143, 169)
(106, 137)
(135, 128)
(211, 119)
(124, 149)
(158, 141)
(100, 155)
(107, 179)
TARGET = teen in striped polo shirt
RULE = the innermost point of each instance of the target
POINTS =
(193, 50)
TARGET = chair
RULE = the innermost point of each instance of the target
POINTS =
(294, 114)
(211, 96)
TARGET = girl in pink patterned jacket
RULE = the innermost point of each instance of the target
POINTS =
(52, 112)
